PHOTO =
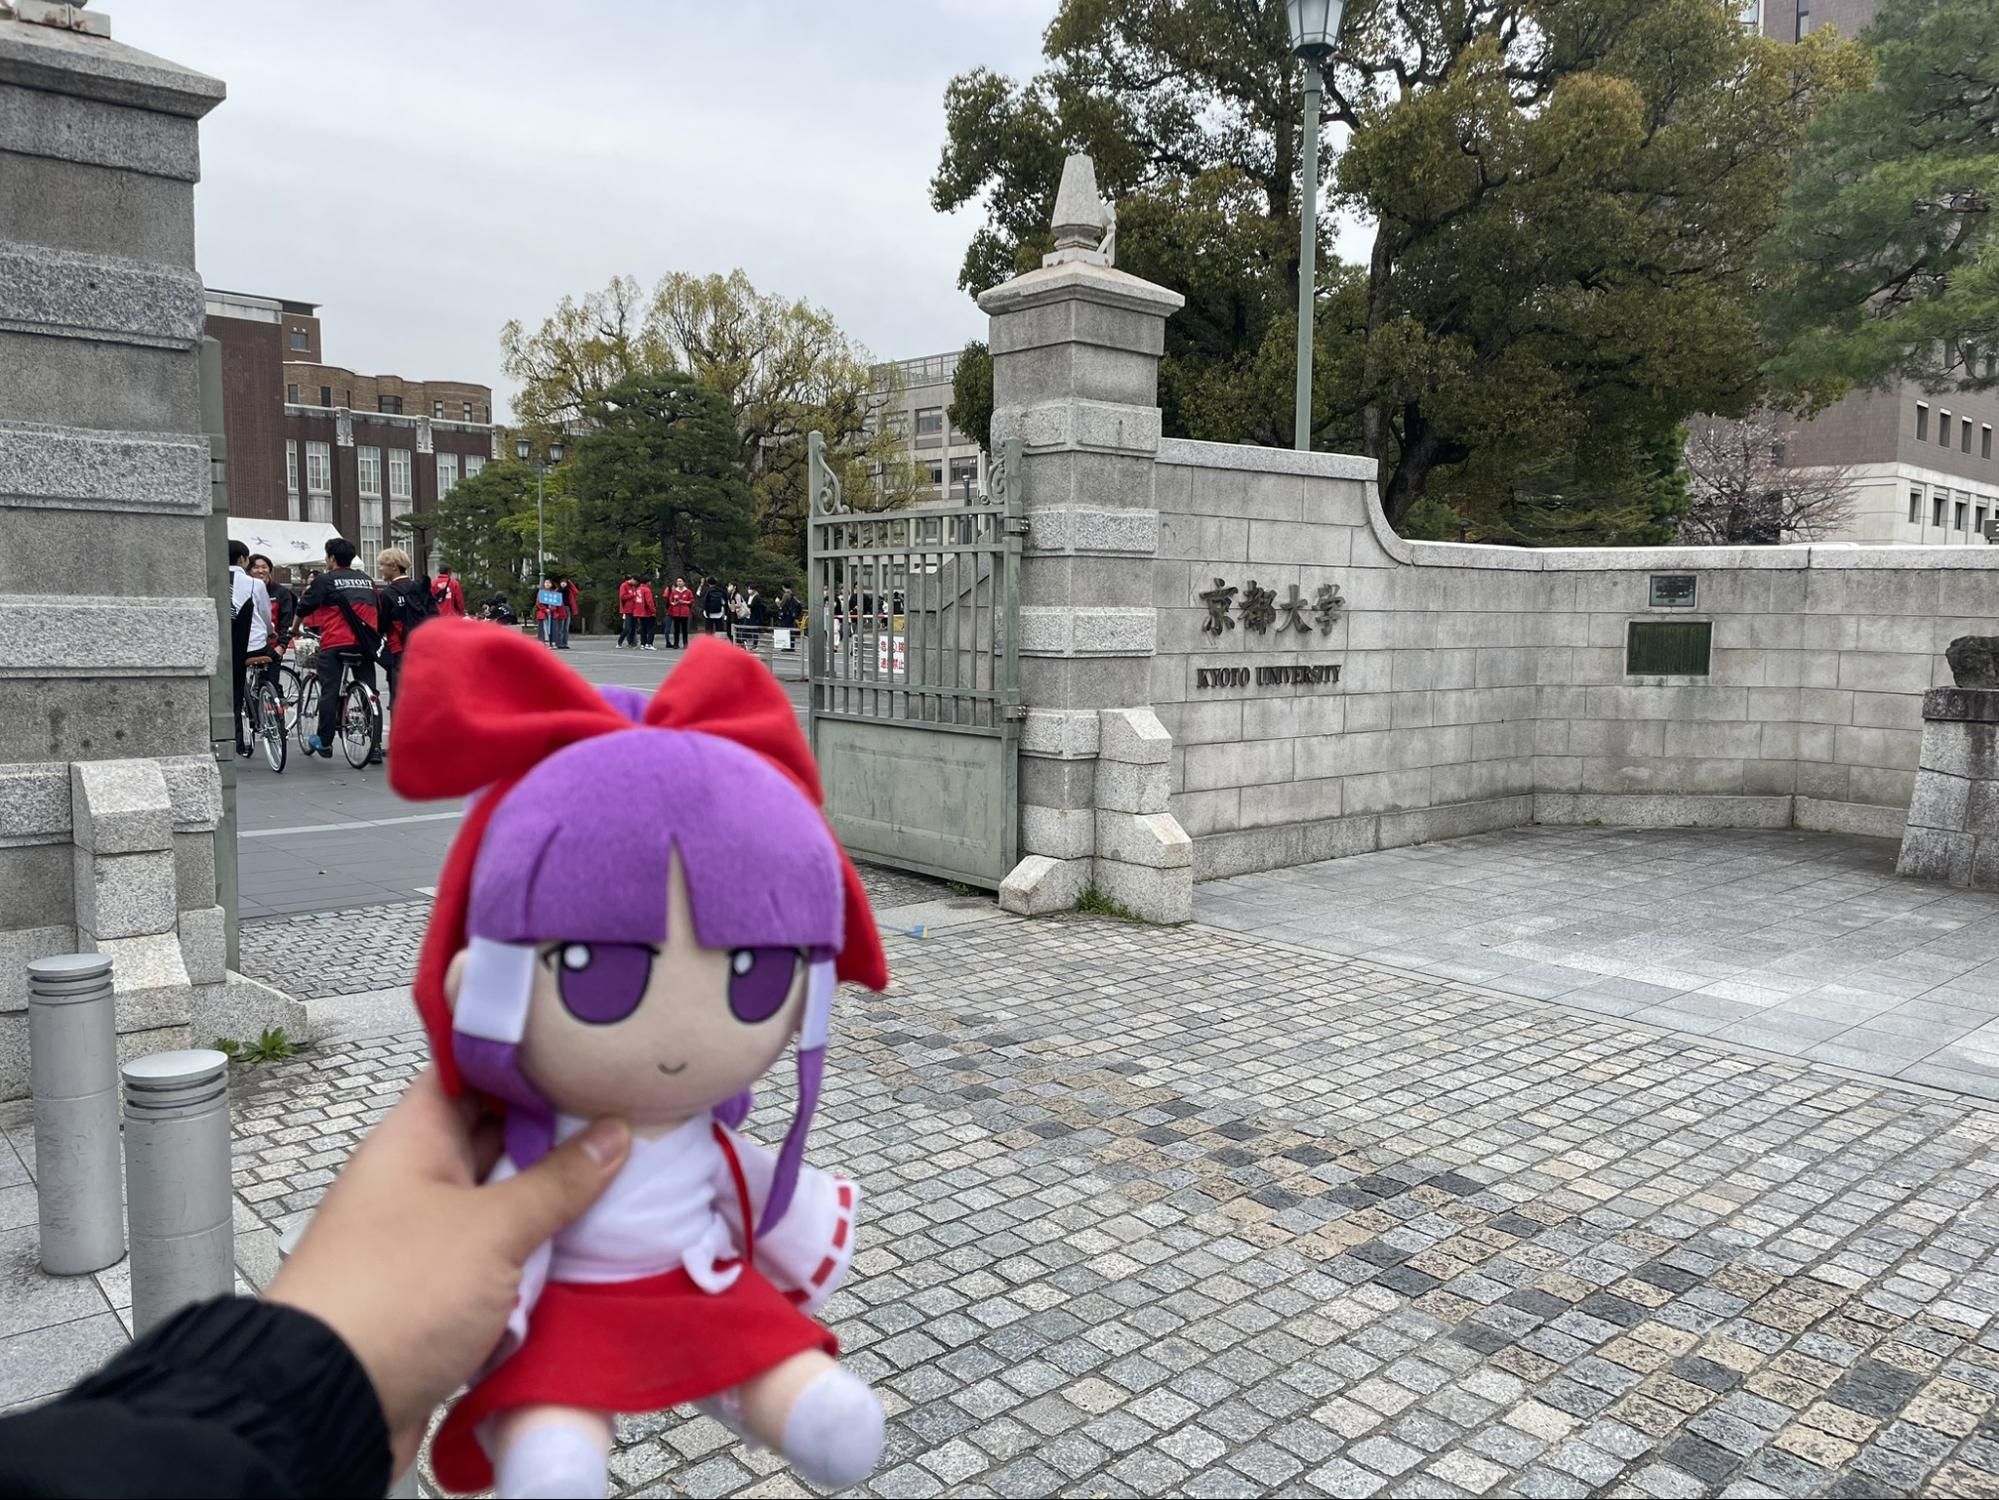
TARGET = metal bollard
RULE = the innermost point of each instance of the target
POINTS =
(177, 1182)
(73, 1074)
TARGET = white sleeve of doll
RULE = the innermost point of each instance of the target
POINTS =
(534, 1276)
(806, 1254)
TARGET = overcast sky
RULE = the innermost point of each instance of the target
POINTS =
(426, 170)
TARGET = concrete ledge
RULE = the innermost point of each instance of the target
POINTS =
(1101, 533)
(1820, 815)
(241, 1009)
(65, 636)
(70, 295)
(100, 69)
(1099, 426)
(1662, 810)
(75, 468)
(1059, 630)
(1454, 820)
(1039, 885)
(1060, 733)
(1079, 281)
(1252, 458)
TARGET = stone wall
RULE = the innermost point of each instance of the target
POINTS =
(1481, 687)
(109, 792)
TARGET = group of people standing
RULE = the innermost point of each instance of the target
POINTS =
(639, 613)
(555, 609)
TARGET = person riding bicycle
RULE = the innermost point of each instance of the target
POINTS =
(343, 606)
(250, 630)
(406, 604)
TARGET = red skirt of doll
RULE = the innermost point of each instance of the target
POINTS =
(628, 1346)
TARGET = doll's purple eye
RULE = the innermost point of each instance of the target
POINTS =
(759, 981)
(602, 982)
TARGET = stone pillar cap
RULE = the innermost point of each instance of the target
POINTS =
(1080, 281)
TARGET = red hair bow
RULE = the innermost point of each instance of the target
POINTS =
(478, 707)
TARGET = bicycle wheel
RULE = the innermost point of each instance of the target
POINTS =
(357, 725)
(307, 721)
(271, 725)
(291, 689)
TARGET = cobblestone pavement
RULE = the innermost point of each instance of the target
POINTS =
(1157, 1211)
(319, 954)
(1806, 944)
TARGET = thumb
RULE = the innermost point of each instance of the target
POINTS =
(528, 1209)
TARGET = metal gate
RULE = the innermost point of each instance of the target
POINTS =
(914, 708)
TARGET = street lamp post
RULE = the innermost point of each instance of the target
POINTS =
(1315, 27)
(524, 450)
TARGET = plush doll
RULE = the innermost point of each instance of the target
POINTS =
(643, 908)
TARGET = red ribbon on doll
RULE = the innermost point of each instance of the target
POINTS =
(478, 707)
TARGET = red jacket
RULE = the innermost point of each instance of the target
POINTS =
(318, 609)
(450, 596)
(627, 594)
(642, 604)
(569, 596)
(680, 602)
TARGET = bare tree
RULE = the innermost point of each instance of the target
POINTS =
(1745, 494)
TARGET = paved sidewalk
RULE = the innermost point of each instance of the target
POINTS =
(1155, 1211)
(1805, 944)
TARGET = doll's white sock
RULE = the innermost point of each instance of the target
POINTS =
(555, 1461)
(834, 1433)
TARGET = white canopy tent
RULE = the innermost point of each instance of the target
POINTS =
(287, 544)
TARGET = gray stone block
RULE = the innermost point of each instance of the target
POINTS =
(42, 464)
(1940, 801)
(74, 206)
(145, 970)
(242, 1009)
(34, 801)
(37, 122)
(1133, 735)
(204, 944)
(1154, 840)
(67, 636)
(1662, 810)
(119, 806)
(1059, 833)
(1848, 817)
(195, 787)
(1096, 426)
(72, 382)
(1960, 749)
(1064, 734)
(61, 551)
(1039, 885)
(1165, 896)
(21, 946)
(125, 895)
(68, 294)
(1061, 630)
(194, 869)
(37, 886)
(1057, 783)
(1122, 787)
(95, 67)
(1132, 533)
(1931, 854)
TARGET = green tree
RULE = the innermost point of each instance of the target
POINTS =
(784, 368)
(971, 409)
(659, 482)
(1887, 262)
(485, 531)
(1567, 196)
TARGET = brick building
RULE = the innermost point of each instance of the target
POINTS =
(1923, 464)
(309, 441)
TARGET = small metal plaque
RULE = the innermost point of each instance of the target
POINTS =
(1673, 590)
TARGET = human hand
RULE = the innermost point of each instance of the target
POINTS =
(415, 1265)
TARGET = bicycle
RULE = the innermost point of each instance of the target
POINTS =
(267, 714)
(359, 725)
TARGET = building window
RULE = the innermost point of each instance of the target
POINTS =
(896, 422)
(1751, 15)
(291, 394)
(1960, 515)
(399, 481)
(930, 422)
(393, 405)
(1978, 520)
(299, 339)
(347, 398)
(474, 462)
(1668, 648)
(1922, 422)
(933, 473)
(1804, 19)
(447, 474)
(1966, 444)
(369, 461)
(436, 409)
(291, 479)
(371, 529)
(964, 472)
(1916, 506)
(326, 395)
(318, 482)
(1943, 430)
(468, 411)
(1936, 512)
(1985, 441)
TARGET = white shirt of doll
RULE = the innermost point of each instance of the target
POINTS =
(659, 1214)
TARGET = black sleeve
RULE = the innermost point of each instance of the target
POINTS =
(226, 1398)
(317, 596)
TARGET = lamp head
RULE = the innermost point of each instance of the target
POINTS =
(521, 449)
(1315, 27)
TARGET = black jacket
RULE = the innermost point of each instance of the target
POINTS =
(226, 1398)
